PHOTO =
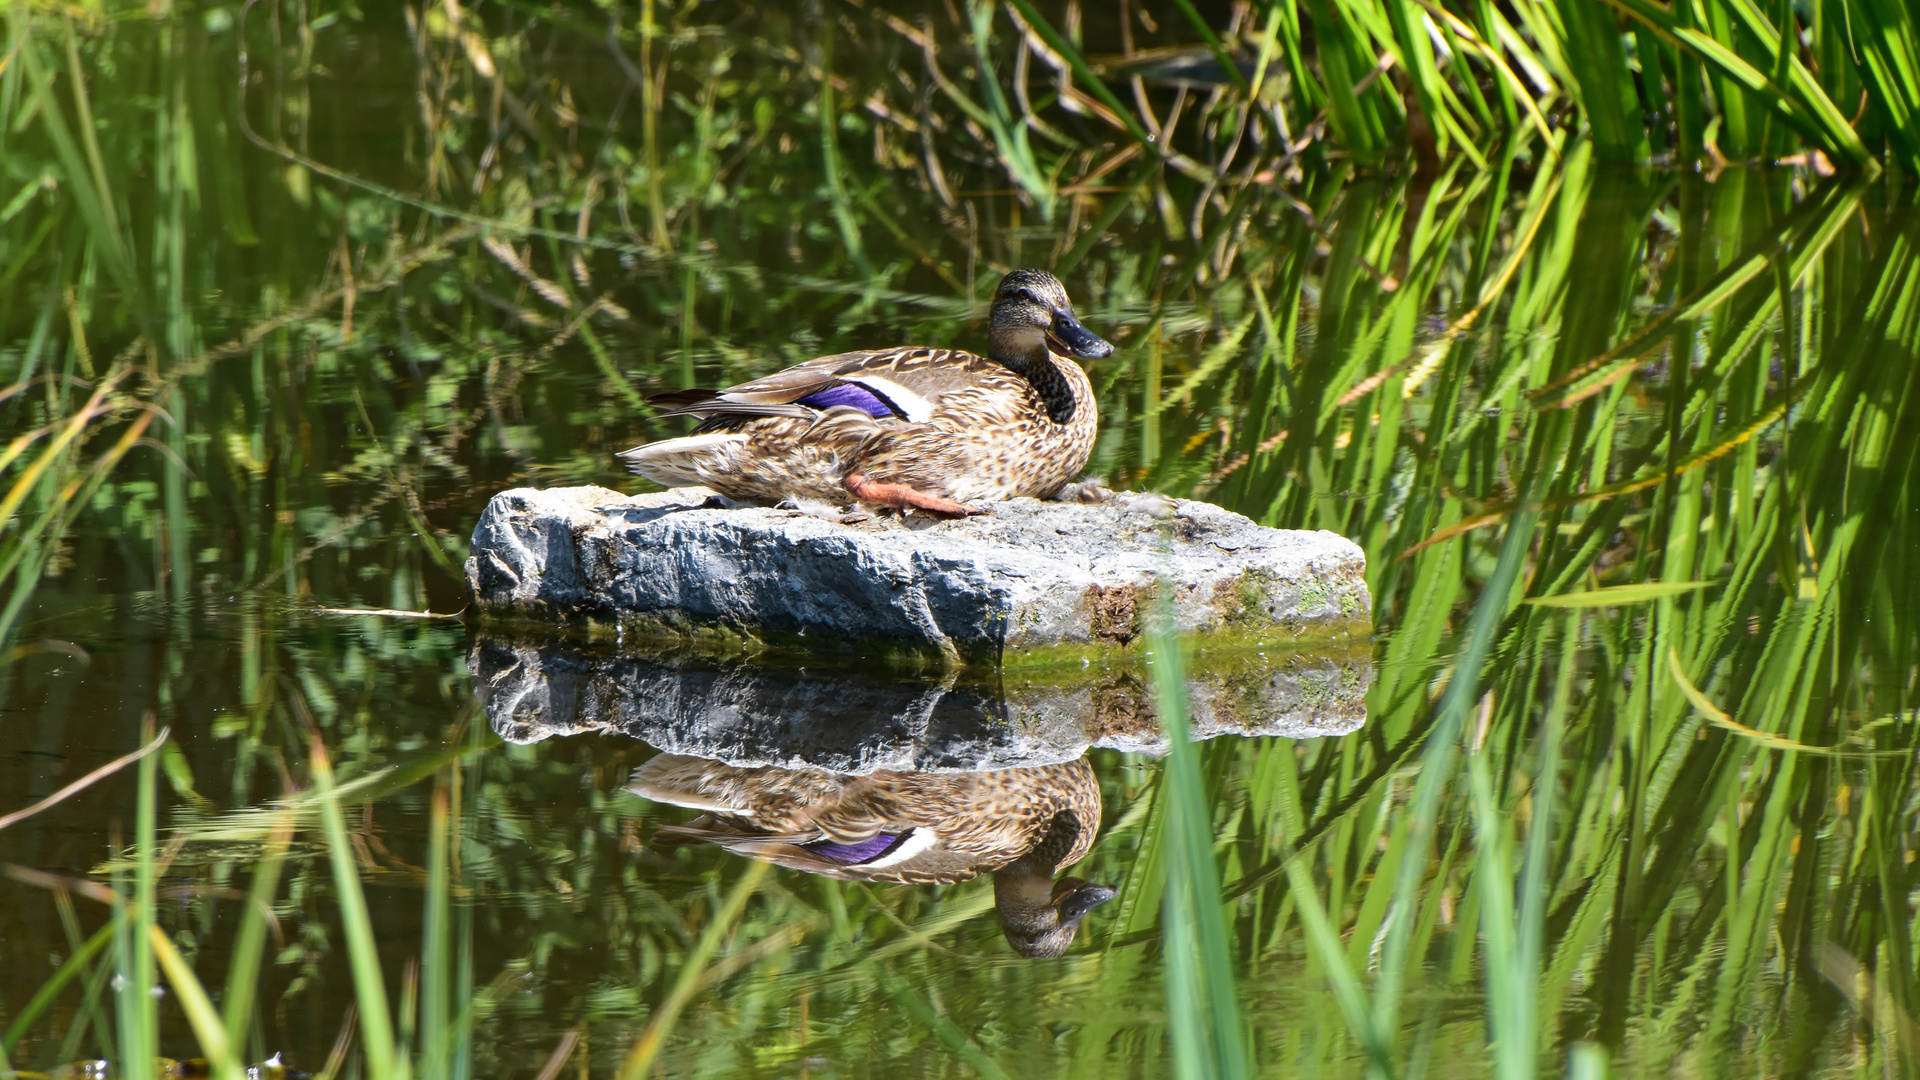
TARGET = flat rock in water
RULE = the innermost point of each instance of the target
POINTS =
(1034, 579)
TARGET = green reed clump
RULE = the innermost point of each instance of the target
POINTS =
(1672, 826)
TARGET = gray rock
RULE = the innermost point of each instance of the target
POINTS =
(1033, 581)
(847, 720)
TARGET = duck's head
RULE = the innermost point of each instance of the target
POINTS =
(1032, 316)
(1038, 915)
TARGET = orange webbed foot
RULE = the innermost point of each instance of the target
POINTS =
(902, 497)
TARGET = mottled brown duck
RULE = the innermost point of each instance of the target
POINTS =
(1020, 825)
(911, 427)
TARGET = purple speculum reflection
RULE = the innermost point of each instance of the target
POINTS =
(870, 848)
(850, 394)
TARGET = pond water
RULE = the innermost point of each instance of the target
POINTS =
(289, 318)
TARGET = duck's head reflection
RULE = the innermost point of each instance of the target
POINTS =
(1021, 825)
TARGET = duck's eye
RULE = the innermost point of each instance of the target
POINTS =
(1027, 295)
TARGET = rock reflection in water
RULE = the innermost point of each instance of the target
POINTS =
(854, 721)
(883, 776)
(1022, 825)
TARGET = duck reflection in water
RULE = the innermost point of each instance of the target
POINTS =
(1021, 825)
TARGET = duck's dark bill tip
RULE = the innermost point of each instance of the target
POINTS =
(1072, 339)
(1075, 905)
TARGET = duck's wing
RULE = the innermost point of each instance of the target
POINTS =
(918, 856)
(905, 384)
(912, 381)
(866, 828)
(915, 856)
(910, 827)
(801, 805)
(788, 850)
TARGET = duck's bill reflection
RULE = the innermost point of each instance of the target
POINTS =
(1023, 826)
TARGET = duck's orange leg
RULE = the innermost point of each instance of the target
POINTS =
(901, 496)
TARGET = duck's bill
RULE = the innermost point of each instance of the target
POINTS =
(1069, 338)
(1073, 898)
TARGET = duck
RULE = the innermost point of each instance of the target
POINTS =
(909, 428)
(1021, 825)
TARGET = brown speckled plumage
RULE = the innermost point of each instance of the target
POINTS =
(981, 821)
(1020, 825)
(958, 427)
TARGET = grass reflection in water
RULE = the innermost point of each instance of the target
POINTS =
(1673, 823)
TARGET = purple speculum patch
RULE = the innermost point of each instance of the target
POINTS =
(870, 848)
(850, 394)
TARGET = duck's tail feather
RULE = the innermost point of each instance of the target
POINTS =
(710, 829)
(780, 801)
(716, 404)
(674, 462)
(695, 783)
(779, 849)
(732, 410)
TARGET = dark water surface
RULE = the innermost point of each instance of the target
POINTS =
(1508, 386)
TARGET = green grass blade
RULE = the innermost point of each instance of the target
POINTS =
(369, 985)
(943, 1029)
(137, 1011)
(646, 1049)
(1619, 595)
(1509, 998)
(1437, 765)
(436, 962)
(1536, 884)
(1203, 1005)
(1837, 139)
(1084, 74)
(1228, 67)
(243, 971)
(43, 998)
(1831, 124)
(216, 1041)
(94, 200)
(1355, 125)
(1604, 83)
